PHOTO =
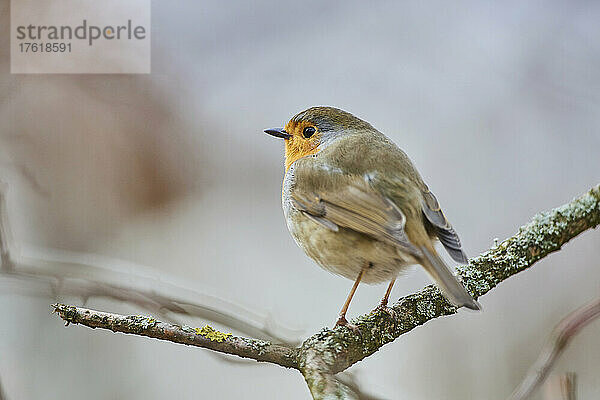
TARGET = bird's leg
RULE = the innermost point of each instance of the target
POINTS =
(342, 321)
(383, 306)
(386, 297)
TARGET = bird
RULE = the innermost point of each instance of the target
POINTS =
(356, 204)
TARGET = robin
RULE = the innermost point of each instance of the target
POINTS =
(355, 203)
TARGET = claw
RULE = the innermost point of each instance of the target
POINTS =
(342, 321)
(388, 310)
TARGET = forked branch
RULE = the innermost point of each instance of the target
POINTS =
(328, 352)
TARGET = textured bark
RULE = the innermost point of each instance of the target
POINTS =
(205, 337)
(328, 352)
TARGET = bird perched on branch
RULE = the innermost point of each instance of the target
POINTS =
(354, 202)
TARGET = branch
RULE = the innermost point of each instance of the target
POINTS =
(87, 276)
(545, 234)
(2, 395)
(84, 275)
(561, 336)
(6, 263)
(331, 351)
(568, 386)
(206, 337)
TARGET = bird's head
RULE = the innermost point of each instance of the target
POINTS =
(311, 130)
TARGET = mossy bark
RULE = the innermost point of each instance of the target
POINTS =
(331, 351)
(340, 348)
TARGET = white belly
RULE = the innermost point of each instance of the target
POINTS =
(347, 252)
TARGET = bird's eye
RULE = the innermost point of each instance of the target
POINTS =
(308, 131)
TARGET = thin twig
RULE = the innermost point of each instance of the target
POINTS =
(559, 387)
(206, 337)
(568, 386)
(84, 275)
(560, 337)
(2, 394)
(70, 274)
(6, 263)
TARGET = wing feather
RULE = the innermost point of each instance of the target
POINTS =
(357, 206)
(444, 231)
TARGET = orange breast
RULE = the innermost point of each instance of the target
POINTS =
(294, 152)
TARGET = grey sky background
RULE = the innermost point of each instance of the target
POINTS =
(497, 105)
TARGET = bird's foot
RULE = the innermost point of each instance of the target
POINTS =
(342, 321)
(386, 309)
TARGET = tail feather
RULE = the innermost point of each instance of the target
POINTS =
(446, 281)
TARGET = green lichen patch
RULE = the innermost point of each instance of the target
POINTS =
(187, 328)
(257, 345)
(147, 322)
(212, 334)
(133, 323)
(547, 232)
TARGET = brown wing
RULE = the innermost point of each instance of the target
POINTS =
(443, 229)
(352, 203)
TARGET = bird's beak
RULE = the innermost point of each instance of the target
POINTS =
(278, 132)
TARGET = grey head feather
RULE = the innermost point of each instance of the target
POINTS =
(331, 119)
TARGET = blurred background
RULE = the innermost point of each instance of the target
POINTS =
(498, 105)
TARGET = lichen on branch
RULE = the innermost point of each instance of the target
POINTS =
(546, 233)
(206, 337)
(328, 352)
